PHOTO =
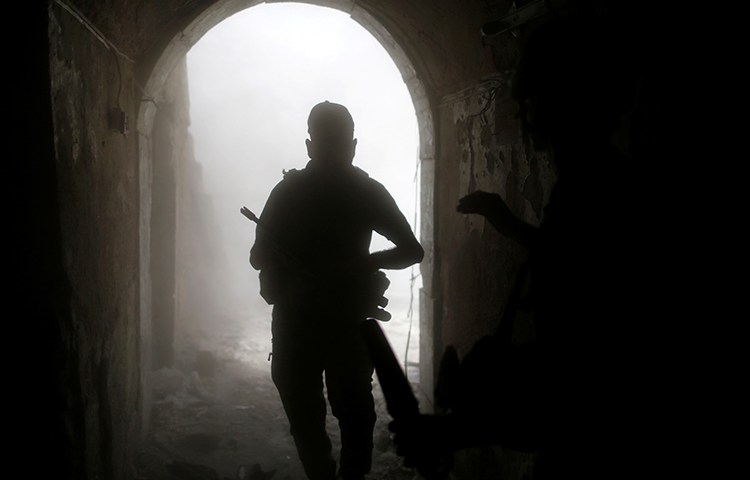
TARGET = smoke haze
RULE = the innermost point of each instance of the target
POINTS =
(253, 80)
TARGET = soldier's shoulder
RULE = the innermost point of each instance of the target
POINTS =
(361, 174)
(364, 179)
(370, 182)
(291, 175)
(290, 178)
(286, 185)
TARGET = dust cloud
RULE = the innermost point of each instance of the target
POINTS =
(253, 80)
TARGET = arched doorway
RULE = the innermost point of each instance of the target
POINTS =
(151, 182)
(252, 80)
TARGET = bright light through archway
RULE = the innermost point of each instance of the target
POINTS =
(252, 80)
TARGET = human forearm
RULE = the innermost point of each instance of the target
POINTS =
(397, 258)
(494, 209)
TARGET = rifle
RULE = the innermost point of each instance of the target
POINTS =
(288, 258)
(401, 403)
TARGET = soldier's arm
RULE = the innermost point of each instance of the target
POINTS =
(391, 223)
(492, 207)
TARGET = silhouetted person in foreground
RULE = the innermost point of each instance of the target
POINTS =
(313, 253)
(574, 85)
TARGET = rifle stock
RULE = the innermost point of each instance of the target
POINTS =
(401, 403)
(400, 400)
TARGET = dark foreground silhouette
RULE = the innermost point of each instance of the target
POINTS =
(576, 85)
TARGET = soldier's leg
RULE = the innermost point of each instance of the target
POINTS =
(297, 372)
(349, 384)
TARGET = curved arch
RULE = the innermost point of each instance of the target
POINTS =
(179, 46)
(213, 15)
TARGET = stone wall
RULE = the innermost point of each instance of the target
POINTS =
(97, 191)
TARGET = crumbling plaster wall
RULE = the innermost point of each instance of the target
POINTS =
(482, 148)
(476, 145)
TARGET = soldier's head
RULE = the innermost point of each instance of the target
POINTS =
(331, 130)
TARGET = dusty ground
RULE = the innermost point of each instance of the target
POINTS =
(217, 416)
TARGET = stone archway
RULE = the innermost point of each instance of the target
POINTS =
(152, 93)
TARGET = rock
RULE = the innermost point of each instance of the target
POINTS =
(190, 471)
(256, 473)
(202, 442)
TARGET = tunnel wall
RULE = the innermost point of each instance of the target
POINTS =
(97, 191)
(45, 413)
(101, 189)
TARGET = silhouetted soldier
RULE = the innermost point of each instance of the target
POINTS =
(575, 84)
(317, 271)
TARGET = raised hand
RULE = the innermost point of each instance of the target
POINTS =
(481, 202)
(492, 207)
